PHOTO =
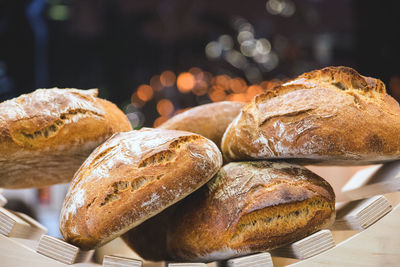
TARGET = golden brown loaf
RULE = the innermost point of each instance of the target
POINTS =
(328, 116)
(250, 207)
(132, 177)
(209, 120)
(46, 135)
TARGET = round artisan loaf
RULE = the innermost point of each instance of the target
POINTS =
(46, 135)
(332, 116)
(132, 177)
(209, 120)
(250, 207)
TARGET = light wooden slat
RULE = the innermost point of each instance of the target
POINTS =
(12, 225)
(115, 261)
(360, 214)
(307, 247)
(260, 260)
(62, 251)
(15, 254)
(378, 245)
(375, 180)
(3, 201)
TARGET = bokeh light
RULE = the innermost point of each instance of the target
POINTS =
(185, 82)
(165, 107)
(145, 92)
(167, 78)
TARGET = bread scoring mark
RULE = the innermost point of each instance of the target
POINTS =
(26, 137)
(159, 158)
(183, 141)
(289, 114)
(288, 218)
(122, 186)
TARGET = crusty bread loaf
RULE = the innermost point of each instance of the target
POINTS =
(209, 120)
(46, 135)
(250, 207)
(132, 177)
(332, 116)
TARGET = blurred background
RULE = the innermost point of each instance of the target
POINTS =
(156, 58)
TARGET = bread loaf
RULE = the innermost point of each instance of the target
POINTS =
(132, 177)
(250, 207)
(209, 120)
(332, 116)
(46, 135)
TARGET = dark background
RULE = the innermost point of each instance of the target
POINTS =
(118, 45)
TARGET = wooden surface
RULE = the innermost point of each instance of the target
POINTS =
(115, 261)
(259, 260)
(360, 214)
(379, 245)
(308, 246)
(62, 251)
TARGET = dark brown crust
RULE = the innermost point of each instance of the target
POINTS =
(46, 135)
(209, 120)
(329, 116)
(132, 177)
(250, 207)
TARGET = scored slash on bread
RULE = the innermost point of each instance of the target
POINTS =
(332, 116)
(132, 177)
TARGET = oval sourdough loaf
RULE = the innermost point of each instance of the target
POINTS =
(46, 135)
(209, 120)
(332, 116)
(250, 207)
(132, 177)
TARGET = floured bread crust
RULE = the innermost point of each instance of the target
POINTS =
(332, 116)
(132, 177)
(46, 135)
(209, 120)
(250, 207)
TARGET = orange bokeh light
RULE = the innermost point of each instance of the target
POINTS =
(185, 82)
(238, 85)
(155, 83)
(217, 93)
(238, 97)
(145, 92)
(201, 88)
(159, 121)
(222, 80)
(165, 107)
(167, 78)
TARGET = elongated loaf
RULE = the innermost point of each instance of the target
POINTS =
(332, 116)
(46, 135)
(132, 177)
(209, 120)
(250, 207)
